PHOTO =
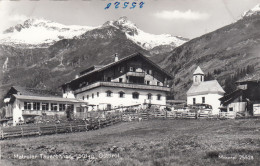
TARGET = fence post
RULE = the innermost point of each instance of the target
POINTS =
(70, 128)
(2, 134)
(39, 129)
(86, 124)
(56, 128)
(22, 131)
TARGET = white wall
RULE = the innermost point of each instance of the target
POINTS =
(116, 101)
(237, 107)
(211, 99)
(68, 94)
(18, 107)
(17, 112)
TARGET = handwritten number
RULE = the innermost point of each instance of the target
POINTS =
(141, 4)
(108, 5)
(117, 4)
(133, 5)
(125, 5)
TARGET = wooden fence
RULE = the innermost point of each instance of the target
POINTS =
(45, 129)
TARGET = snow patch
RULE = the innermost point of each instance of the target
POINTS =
(255, 10)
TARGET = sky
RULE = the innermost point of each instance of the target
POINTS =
(186, 18)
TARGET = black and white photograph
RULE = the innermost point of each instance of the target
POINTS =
(129, 82)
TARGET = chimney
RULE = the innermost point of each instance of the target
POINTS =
(116, 57)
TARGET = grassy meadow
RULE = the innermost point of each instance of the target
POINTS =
(156, 142)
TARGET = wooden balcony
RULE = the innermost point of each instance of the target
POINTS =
(135, 74)
(122, 85)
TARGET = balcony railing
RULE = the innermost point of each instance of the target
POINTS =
(135, 74)
(122, 85)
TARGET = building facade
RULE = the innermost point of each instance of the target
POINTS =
(245, 99)
(129, 81)
(204, 92)
(24, 103)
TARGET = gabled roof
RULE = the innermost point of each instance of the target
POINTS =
(120, 61)
(231, 96)
(205, 87)
(36, 92)
(198, 71)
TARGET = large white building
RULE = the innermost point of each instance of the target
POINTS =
(205, 92)
(129, 81)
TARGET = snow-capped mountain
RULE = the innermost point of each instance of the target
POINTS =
(40, 33)
(254, 11)
(43, 33)
(145, 40)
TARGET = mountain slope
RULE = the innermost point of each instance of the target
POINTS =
(227, 50)
(40, 33)
(48, 68)
(43, 33)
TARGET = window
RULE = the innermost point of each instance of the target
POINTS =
(45, 106)
(62, 107)
(230, 108)
(83, 97)
(92, 95)
(194, 100)
(121, 94)
(109, 107)
(150, 72)
(203, 99)
(36, 106)
(148, 82)
(149, 96)
(97, 94)
(109, 93)
(87, 97)
(70, 107)
(131, 69)
(120, 79)
(158, 83)
(159, 97)
(122, 69)
(109, 79)
(54, 106)
(135, 95)
(27, 106)
(201, 78)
